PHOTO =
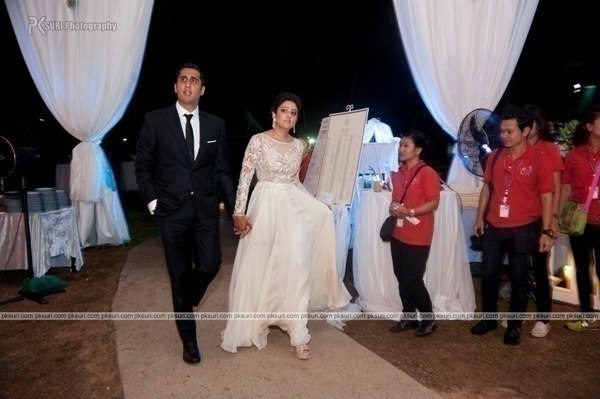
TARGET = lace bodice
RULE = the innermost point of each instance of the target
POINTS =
(273, 161)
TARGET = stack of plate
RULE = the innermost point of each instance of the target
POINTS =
(64, 198)
(13, 202)
(49, 198)
(34, 202)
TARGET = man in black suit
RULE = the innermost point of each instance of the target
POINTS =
(179, 178)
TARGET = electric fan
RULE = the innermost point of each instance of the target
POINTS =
(478, 135)
(8, 161)
(18, 156)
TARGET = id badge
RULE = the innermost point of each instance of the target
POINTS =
(399, 222)
(504, 211)
(595, 196)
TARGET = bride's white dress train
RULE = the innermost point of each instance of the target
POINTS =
(286, 264)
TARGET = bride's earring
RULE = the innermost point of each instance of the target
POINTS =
(273, 124)
(294, 129)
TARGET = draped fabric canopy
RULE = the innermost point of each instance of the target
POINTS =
(85, 61)
(462, 54)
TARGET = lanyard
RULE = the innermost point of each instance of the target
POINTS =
(592, 166)
(509, 182)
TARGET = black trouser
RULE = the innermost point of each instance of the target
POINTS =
(518, 243)
(581, 246)
(542, 292)
(409, 267)
(193, 256)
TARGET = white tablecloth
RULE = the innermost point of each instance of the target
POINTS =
(469, 215)
(128, 181)
(13, 247)
(448, 275)
(54, 241)
(343, 232)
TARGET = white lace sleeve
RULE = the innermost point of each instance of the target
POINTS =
(248, 167)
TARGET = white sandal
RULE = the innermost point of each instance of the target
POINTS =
(302, 351)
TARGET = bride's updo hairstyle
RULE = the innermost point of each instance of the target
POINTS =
(283, 97)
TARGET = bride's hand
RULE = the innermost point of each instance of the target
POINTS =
(242, 225)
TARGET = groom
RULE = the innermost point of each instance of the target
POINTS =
(180, 165)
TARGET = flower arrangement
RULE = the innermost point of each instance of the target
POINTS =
(563, 135)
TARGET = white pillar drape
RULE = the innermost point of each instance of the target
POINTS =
(85, 62)
(462, 54)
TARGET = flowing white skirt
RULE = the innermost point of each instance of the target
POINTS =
(285, 265)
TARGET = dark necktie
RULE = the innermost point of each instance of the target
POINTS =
(189, 136)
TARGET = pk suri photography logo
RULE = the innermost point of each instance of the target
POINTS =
(43, 25)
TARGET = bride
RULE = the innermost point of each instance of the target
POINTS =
(285, 260)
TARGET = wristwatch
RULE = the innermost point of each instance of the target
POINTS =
(548, 232)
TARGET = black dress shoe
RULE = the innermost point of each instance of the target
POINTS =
(484, 327)
(427, 327)
(512, 336)
(404, 325)
(191, 353)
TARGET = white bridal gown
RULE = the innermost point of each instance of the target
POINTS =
(287, 262)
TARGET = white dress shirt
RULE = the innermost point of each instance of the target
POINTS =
(195, 125)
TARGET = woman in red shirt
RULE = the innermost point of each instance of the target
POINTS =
(419, 184)
(580, 164)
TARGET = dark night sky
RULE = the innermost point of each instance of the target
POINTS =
(330, 53)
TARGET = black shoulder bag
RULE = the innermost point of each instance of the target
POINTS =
(387, 228)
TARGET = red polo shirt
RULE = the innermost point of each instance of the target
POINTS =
(525, 178)
(580, 163)
(425, 187)
(553, 152)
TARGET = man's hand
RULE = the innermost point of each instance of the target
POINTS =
(546, 243)
(242, 225)
(479, 228)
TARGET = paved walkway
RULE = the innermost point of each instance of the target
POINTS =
(149, 352)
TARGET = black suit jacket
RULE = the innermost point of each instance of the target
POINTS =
(165, 172)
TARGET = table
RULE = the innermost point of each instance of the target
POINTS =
(128, 180)
(448, 275)
(54, 241)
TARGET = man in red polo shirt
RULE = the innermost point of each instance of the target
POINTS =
(518, 190)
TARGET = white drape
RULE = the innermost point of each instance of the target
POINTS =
(85, 62)
(462, 54)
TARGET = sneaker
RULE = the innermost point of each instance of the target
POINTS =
(581, 325)
(540, 329)
(427, 327)
(404, 325)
